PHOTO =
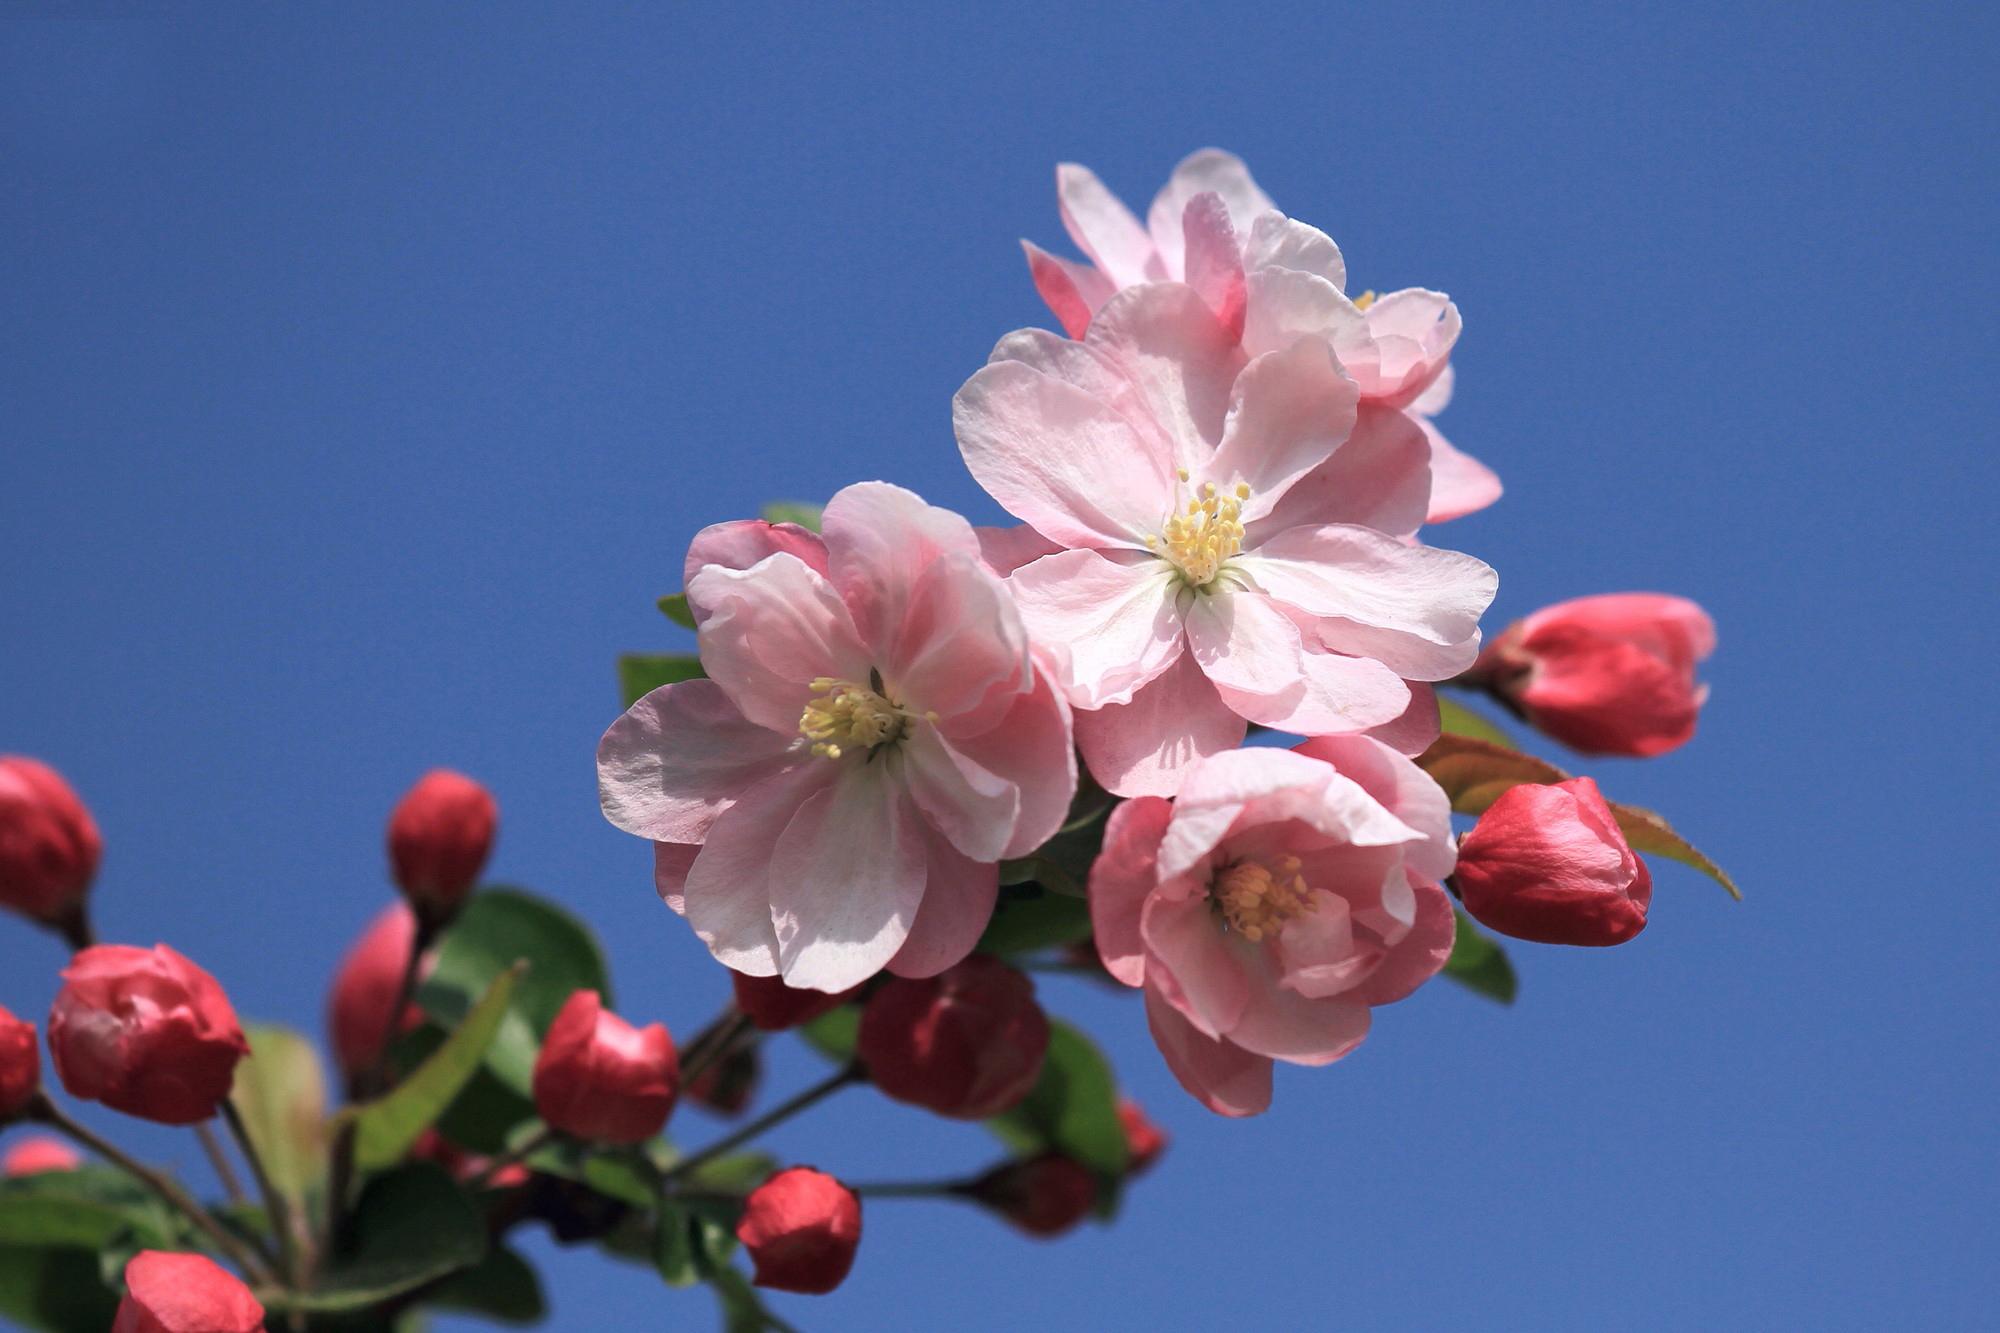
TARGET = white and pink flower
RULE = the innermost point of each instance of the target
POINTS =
(874, 735)
(1226, 535)
(1268, 278)
(1269, 909)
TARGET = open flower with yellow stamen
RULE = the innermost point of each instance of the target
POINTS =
(1270, 907)
(1227, 536)
(874, 735)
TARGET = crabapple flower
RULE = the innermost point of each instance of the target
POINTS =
(1273, 905)
(1610, 674)
(874, 736)
(602, 1080)
(1230, 530)
(20, 1066)
(146, 1032)
(32, 1156)
(49, 844)
(167, 1292)
(1550, 864)
(801, 1228)
(1269, 279)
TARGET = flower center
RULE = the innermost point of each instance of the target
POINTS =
(842, 716)
(1363, 301)
(1200, 541)
(1257, 900)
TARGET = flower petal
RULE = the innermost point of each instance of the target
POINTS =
(743, 542)
(974, 809)
(961, 650)
(1214, 261)
(1380, 477)
(1104, 228)
(1142, 748)
(1283, 305)
(1287, 1026)
(1032, 747)
(1417, 957)
(1288, 413)
(1116, 622)
(768, 631)
(1183, 938)
(879, 539)
(727, 891)
(1277, 241)
(1072, 291)
(671, 863)
(846, 879)
(1402, 788)
(1460, 483)
(1125, 872)
(678, 757)
(1209, 170)
(1007, 549)
(958, 902)
(1227, 1079)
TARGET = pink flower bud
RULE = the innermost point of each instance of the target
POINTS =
(145, 1032)
(360, 1007)
(439, 838)
(773, 1006)
(20, 1066)
(1548, 863)
(32, 1156)
(729, 1082)
(1144, 1140)
(1612, 674)
(600, 1079)
(184, 1293)
(1043, 1196)
(801, 1228)
(966, 1043)
(49, 845)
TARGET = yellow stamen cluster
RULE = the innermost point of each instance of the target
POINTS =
(1257, 900)
(1363, 301)
(842, 715)
(1201, 540)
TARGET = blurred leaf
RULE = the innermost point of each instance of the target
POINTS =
(1455, 718)
(54, 1290)
(89, 1207)
(502, 1287)
(1475, 773)
(280, 1092)
(497, 927)
(385, 1128)
(1479, 964)
(834, 1034)
(1042, 870)
(733, 1173)
(1026, 921)
(674, 1250)
(794, 511)
(742, 1311)
(626, 1174)
(411, 1226)
(675, 608)
(639, 674)
(57, 1222)
(1073, 1108)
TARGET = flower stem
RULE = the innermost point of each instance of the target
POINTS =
(211, 1148)
(275, 1204)
(370, 1082)
(713, 1043)
(777, 1115)
(243, 1255)
(912, 1189)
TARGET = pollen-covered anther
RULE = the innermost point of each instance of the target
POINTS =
(1257, 900)
(1201, 540)
(842, 716)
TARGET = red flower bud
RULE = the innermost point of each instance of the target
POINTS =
(1043, 1196)
(773, 1006)
(184, 1293)
(966, 1043)
(49, 845)
(801, 1228)
(32, 1156)
(360, 1007)
(145, 1032)
(1144, 1140)
(1549, 863)
(20, 1066)
(600, 1079)
(439, 838)
(729, 1082)
(432, 1146)
(1612, 674)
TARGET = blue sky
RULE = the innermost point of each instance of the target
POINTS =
(365, 377)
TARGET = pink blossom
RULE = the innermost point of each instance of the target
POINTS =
(1227, 533)
(1268, 278)
(873, 736)
(1271, 907)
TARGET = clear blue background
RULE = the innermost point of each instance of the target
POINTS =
(362, 380)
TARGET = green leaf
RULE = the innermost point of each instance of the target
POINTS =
(502, 1287)
(733, 1173)
(89, 1208)
(639, 674)
(675, 608)
(794, 511)
(1455, 718)
(280, 1092)
(1026, 921)
(626, 1174)
(742, 1311)
(834, 1034)
(1073, 1108)
(54, 1290)
(498, 927)
(1479, 964)
(385, 1128)
(411, 1226)
(1476, 773)
(674, 1248)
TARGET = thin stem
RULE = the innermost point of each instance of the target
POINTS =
(245, 1257)
(912, 1189)
(369, 1082)
(777, 1115)
(713, 1044)
(275, 1203)
(211, 1148)
(514, 1156)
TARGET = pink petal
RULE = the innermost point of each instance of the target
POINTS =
(1288, 412)
(1031, 746)
(846, 879)
(1402, 788)
(1460, 483)
(1214, 260)
(1142, 748)
(1437, 397)
(727, 891)
(1252, 650)
(961, 650)
(1104, 228)
(1183, 939)
(1379, 478)
(1172, 369)
(671, 863)
(1414, 331)
(1416, 958)
(1318, 952)
(958, 902)
(1276, 241)
(879, 539)
(1285, 1025)
(1059, 459)
(1209, 170)
(678, 757)
(1125, 872)
(974, 809)
(1072, 291)
(1007, 549)
(768, 631)
(1283, 305)
(1216, 793)
(1226, 1079)
(745, 542)
(1115, 622)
